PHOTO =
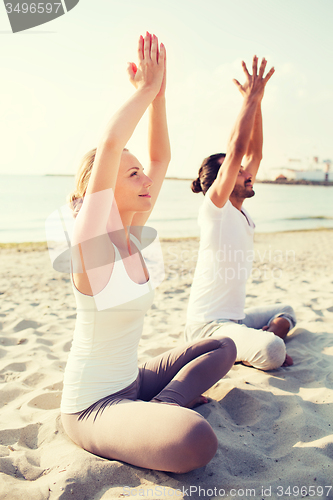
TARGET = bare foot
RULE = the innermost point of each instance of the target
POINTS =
(279, 326)
(200, 400)
(288, 361)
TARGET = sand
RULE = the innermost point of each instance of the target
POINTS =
(275, 429)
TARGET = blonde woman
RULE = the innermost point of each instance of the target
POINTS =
(110, 406)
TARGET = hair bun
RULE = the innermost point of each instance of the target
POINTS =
(196, 186)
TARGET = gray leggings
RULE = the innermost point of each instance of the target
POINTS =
(129, 426)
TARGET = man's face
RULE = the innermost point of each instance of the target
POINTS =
(243, 186)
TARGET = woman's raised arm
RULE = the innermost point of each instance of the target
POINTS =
(158, 136)
(93, 216)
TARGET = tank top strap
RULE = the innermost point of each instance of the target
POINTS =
(136, 242)
(117, 256)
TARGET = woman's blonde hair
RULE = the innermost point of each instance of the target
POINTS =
(75, 199)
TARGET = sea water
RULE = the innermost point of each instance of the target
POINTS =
(27, 201)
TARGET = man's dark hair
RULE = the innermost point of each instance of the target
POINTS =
(207, 173)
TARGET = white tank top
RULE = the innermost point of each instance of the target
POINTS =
(103, 357)
(224, 263)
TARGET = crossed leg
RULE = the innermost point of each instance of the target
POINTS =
(182, 374)
(158, 436)
(279, 319)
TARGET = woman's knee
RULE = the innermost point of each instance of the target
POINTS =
(223, 347)
(198, 446)
(229, 349)
(226, 354)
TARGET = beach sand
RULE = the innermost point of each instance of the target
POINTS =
(275, 429)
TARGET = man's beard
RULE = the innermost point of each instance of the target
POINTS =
(241, 192)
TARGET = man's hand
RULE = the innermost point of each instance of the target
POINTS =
(254, 84)
(150, 72)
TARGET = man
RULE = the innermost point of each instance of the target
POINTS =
(216, 306)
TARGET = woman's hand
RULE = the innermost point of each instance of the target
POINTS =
(254, 84)
(150, 72)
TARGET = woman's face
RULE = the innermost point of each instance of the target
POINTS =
(132, 186)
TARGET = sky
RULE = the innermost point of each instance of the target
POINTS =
(62, 81)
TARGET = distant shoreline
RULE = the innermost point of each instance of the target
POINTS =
(40, 246)
(301, 182)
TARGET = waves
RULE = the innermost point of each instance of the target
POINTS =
(27, 201)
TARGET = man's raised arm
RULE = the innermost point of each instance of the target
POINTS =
(253, 155)
(245, 136)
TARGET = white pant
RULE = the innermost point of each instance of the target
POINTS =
(259, 348)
